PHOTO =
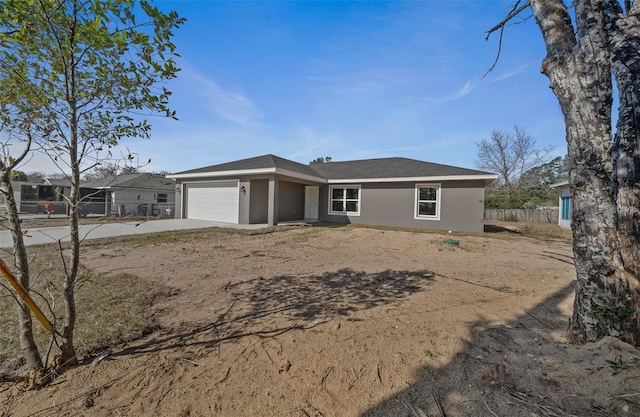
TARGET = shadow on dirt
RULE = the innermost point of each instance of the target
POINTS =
(272, 306)
(332, 293)
(516, 370)
(492, 228)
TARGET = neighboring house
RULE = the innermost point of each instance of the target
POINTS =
(31, 196)
(387, 191)
(564, 202)
(143, 194)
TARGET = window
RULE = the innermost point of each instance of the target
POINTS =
(344, 200)
(566, 208)
(428, 201)
(162, 198)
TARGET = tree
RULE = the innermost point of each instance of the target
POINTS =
(20, 259)
(18, 114)
(533, 187)
(584, 55)
(19, 175)
(321, 160)
(509, 156)
(546, 174)
(98, 73)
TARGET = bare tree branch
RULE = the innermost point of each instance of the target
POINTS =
(515, 10)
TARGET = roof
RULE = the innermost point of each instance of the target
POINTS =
(389, 168)
(142, 180)
(371, 170)
(256, 163)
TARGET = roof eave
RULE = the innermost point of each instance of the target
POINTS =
(247, 172)
(488, 179)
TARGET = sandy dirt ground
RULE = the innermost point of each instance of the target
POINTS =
(347, 321)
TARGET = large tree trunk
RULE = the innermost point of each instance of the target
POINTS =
(624, 39)
(604, 219)
(21, 261)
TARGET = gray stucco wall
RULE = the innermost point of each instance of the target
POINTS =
(393, 204)
(259, 201)
(290, 201)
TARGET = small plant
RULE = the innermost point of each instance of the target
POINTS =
(510, 217)
(614, 311)
(617, 365)
(429, 353)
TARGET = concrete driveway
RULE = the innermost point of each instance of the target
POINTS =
(39, 236)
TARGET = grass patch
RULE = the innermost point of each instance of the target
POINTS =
(110, 310)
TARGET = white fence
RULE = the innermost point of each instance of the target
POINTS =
(96, 208)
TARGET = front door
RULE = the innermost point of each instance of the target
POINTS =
(311, 202)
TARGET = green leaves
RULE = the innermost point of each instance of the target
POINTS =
(87, 71)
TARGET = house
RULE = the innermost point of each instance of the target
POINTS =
(142, 193)
(31, 196)
(564, 202)
(126, 194)
(388, 191)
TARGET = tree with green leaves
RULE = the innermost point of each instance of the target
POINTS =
(98, 69)
(534, 187)
(588, 49)
(321, 160)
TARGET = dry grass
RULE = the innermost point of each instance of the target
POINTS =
(109, 311)
(541, 231)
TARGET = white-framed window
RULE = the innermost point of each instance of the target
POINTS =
(427, 201)
(344, 199)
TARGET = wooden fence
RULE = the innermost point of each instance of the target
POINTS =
(537, 215)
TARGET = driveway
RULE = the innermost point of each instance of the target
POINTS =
(39, 236)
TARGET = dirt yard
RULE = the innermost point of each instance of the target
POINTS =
(347, 321)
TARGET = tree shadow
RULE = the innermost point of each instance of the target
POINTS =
(516, 369)
(493, 228)
(272, 306)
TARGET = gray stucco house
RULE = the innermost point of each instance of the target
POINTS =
(389, 191)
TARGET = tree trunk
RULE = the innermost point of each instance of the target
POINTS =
(602, 221)
(25, 323)
(71, 270)
(624, 39)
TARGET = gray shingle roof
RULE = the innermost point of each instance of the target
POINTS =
(362, 169)
(142, 180)
(388, 168)
(258, 162)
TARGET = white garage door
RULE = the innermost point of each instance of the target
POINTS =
(214, 201)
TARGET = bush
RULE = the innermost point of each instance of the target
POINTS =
(510, 217)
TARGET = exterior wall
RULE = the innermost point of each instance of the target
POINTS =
(290, 201)
(387, 204)
(259, 209)
(564, 217)
(244, 199)
(393, 204)
(179, 197)
(134, 202)
(255, 201)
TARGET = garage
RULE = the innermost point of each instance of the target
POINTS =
(214, 201)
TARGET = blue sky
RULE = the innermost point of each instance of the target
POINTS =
(346, 79)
